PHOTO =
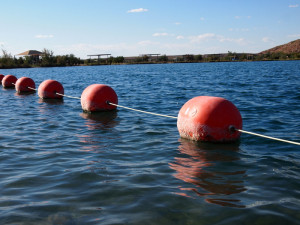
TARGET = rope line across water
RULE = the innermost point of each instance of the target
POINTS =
(268, 137)
(142, 111)
(68, 96)
(242, 131)
(32, 88)
(174, 117)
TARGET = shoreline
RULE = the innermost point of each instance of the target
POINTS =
(137, 61)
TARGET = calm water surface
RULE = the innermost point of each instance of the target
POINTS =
(59, 165)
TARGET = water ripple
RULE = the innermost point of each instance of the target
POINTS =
(62, 166)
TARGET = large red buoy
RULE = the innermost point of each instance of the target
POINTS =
(211, 119)
(96, 97)
(24, 84)
(9, 81)
(1, 77)
(49, 88)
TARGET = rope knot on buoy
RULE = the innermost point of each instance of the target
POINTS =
(232, 129)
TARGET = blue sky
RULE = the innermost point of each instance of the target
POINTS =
(133, 27)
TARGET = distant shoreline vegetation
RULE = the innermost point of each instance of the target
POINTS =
(48, 59)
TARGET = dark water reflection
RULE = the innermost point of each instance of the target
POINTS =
(98, 124)
(24, 93)
(212, 171)
(51, 101)
(100, 120)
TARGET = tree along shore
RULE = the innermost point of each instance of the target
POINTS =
(48, 59)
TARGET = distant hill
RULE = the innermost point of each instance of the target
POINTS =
(291, 47)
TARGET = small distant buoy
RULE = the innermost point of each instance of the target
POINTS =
(49, 88)
(211, 119)
(1, 77)
(8, 81)
(23, 83)
(96, 97)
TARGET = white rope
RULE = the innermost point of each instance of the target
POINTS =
(32, 88)
(68, 96)
(173, 117)
(242, 131)
(272, 138)
(137, 110)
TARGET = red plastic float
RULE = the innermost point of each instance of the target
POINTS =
(95, 97)
(23, 83)
(8, 81)
(1, 77)
(211, 119)
(49, 88)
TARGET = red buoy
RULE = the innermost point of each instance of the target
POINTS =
(24, 84)
(9, 81)
(1, 77)
(49, 88)
(96, 97)
(212, 119)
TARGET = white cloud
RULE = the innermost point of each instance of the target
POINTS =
(198, 44)
(294, 35)
(159, 34)
(293, 6)
(267, 40)
(214, 37)
(240, 41)
(84, 49)
(239, 29)
(137, 10)
(44, 36)
(1, 44)
(203, 37)
(177, 23)
(245, 29)
(147, 43)
(212, 43)
(116, 49)
(242, 17)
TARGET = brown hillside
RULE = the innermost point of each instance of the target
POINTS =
(291, 47)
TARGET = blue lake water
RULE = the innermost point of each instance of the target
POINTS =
(59, 165)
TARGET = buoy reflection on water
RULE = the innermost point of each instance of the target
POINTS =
(206, 167)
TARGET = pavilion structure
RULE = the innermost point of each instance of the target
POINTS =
(32, 53)
(151, 56)
(99, 56)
